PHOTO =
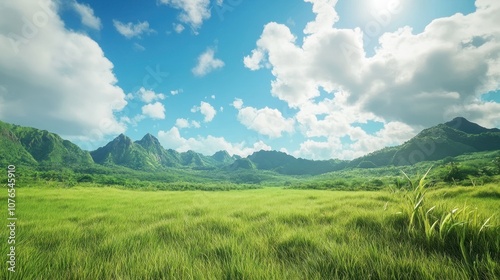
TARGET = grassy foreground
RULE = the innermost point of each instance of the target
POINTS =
(270, 233)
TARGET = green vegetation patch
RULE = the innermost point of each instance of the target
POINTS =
(269, 233)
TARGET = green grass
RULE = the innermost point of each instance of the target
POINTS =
(458, 231)
(269, 233)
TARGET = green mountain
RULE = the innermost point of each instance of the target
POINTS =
(450, 139)
(148, 154)
(165, 158)
(32, 146)
(122, 151)
(223, 158)
(286, 164)
(193, 159)
(241, 164)
(11, 148)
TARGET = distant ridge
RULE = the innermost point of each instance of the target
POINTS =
(32, 146)
(286, 164)
(148, 154)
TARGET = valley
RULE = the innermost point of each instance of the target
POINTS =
(133, 210)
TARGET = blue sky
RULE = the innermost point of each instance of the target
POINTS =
(317, 79)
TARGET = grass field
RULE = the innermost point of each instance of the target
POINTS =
(271, 233)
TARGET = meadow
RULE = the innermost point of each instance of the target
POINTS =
(91, 232)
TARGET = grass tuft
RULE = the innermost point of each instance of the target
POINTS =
(460, 232)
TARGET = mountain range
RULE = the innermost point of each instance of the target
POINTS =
(31, 146)
(450, 139)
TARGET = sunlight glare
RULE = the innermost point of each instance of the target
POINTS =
(378, 5)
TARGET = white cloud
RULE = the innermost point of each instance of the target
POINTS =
(207, 145)
(57, 79)
(237, 103)
(335, 119)
(253, 62)
(132, 121)
(154, 111)
(284, 150)
(149, 96)
(207, 63)
(176, 91)
(178, 28)
(484, 113)
(266, 121)
(130, 30)
(185, 123)
(182, 123)
(319, 150)
(418, 79)
(332, 117)
(206, 110)
(193, 12)
(195, 124)
(391, 134)
(326, 16)
(412, 81)
(276, 46)
(87, 15)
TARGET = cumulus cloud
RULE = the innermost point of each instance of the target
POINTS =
(362, 143)
(207, 145)
(451, 63)
(207, 63)
(412, 80)
(193, 12)
(87, 15)
(253, 61)
(185, 123)
(207, 110)
(182, 123)
(332, 117)
(176, 91)
(266, 121)
(130, 30)
(319, 150)
(149, 96)
(326, 16)
(335, 119)
(178, 28)
(155, 111)
(276, 46)
(457, 62)
(237, 103)
(195, 124)
(54, 78)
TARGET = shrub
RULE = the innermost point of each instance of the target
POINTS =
(85, 179)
